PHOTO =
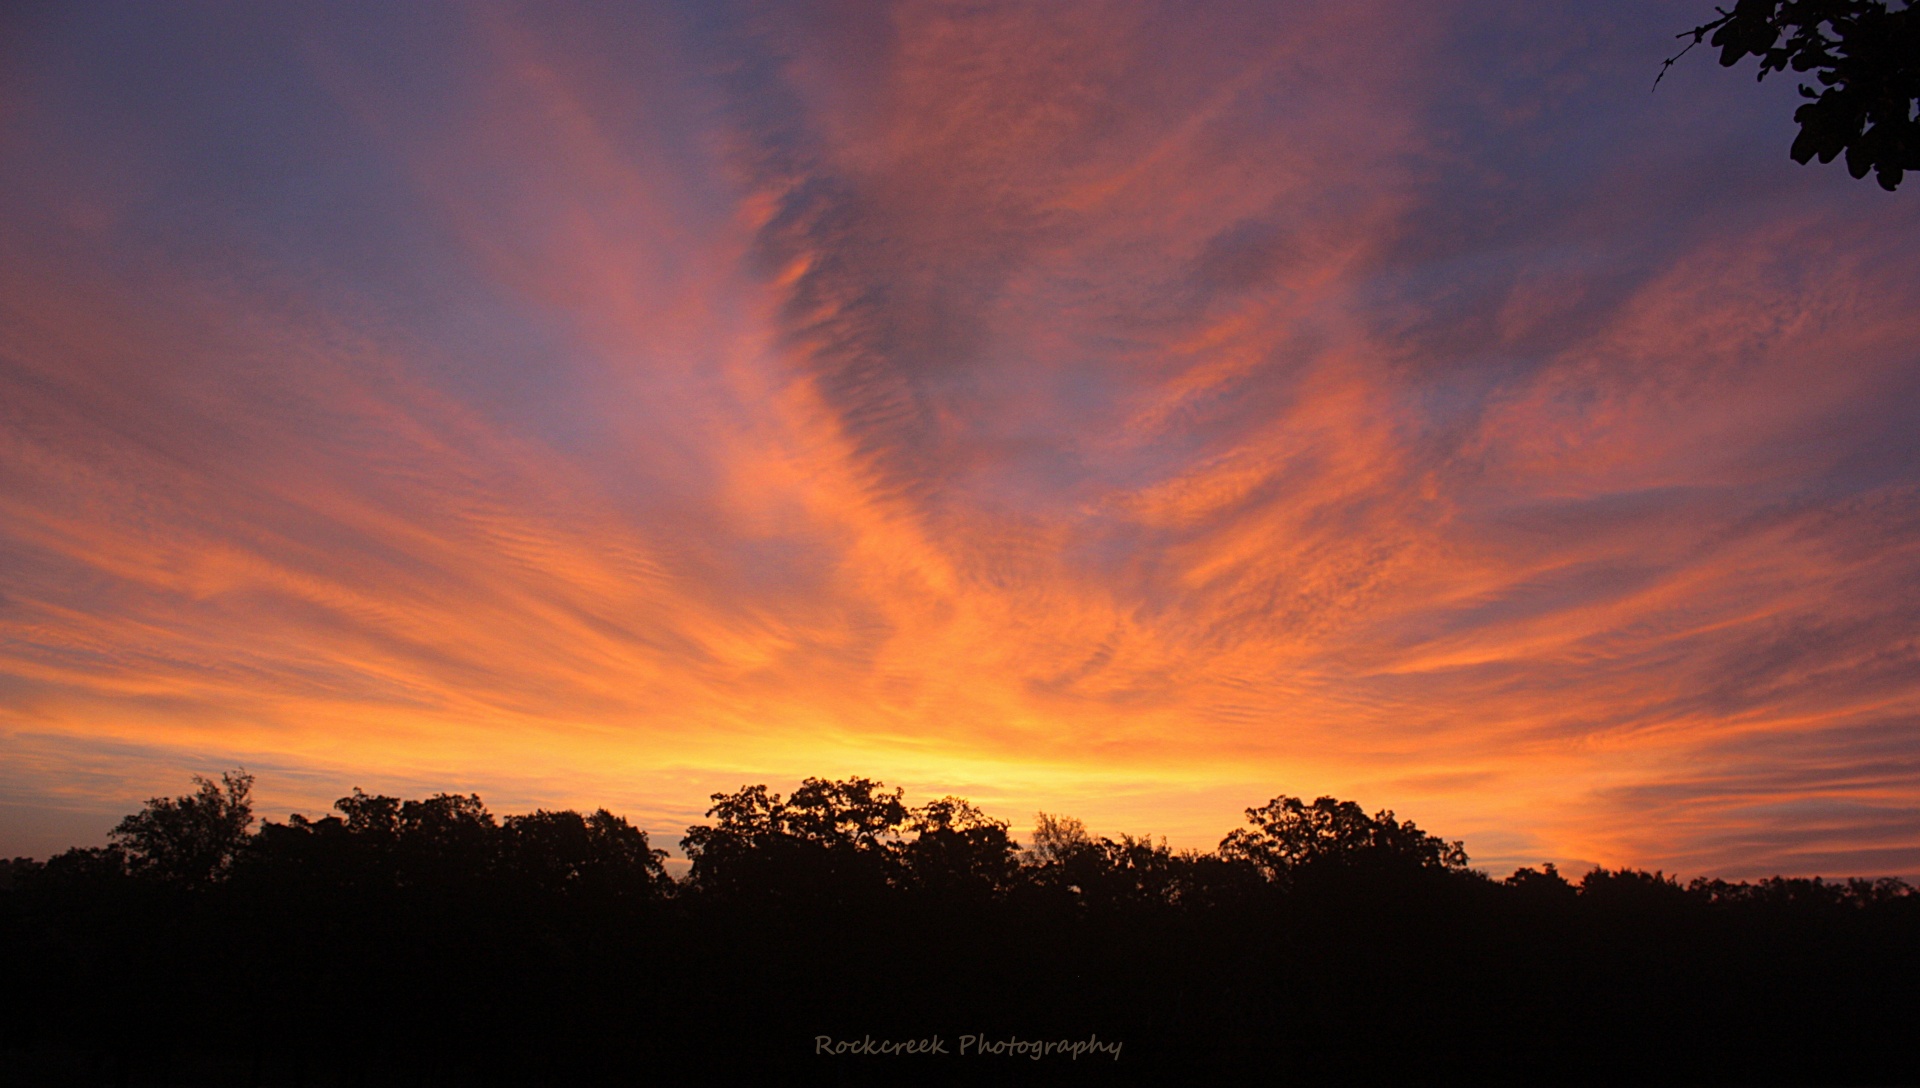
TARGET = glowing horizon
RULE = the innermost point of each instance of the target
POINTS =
(1130, 412)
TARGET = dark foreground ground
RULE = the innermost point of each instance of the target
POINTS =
(409, 945)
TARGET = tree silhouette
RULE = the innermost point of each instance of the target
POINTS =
(566, 854)
(447, 840)
(1125, 874)
(829, 840)
(1290, 836)
(1632, 890)
(1544, 885)
(858, 813)
(371, 817)
(957, 850)
(1865, 55)
(1055, 839)
(189, 840)
(427, 941)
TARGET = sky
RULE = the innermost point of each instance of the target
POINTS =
(1134, 411)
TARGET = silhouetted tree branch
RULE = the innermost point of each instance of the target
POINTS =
(1865, 54)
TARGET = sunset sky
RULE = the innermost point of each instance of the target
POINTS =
(1127, 410)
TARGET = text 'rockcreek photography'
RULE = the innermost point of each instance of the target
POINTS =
(968, 1046)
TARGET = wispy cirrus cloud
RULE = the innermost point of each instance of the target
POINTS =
(1132, 410)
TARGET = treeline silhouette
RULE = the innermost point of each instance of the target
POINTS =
(429, 942)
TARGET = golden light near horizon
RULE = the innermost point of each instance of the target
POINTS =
(1098, 410)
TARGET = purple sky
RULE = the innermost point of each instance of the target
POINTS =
(1132, 411)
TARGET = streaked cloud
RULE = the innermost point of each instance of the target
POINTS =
(1129, 410)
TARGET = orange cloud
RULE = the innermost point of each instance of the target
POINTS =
(1119, 412)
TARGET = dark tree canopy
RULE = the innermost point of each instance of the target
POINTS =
(565, 853)
(193, 839)
(432, 942)
(959, 850)
(1290, 836)
(1865, 54)
(828, 840)
(857, 813)
(450, 843)
(837, 837)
